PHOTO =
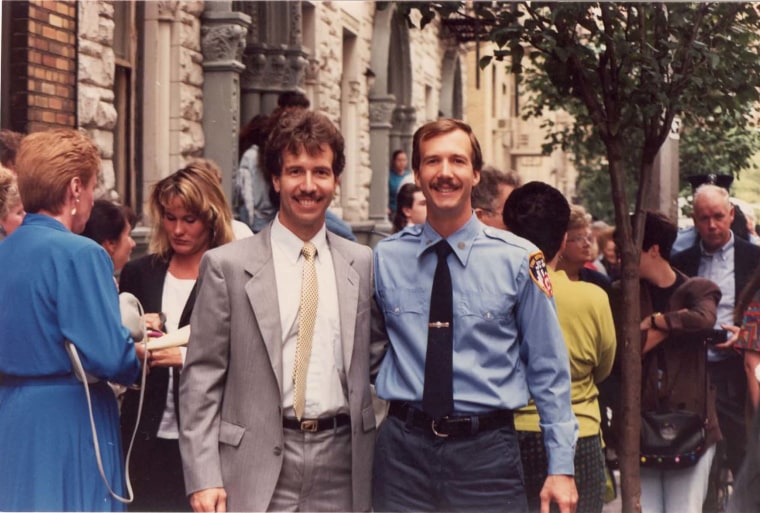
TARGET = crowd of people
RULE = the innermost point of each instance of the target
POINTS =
(489, 323)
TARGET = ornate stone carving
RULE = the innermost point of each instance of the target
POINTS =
(409, 120)
(255, 65)
(296, 34)
(399, 116)
(235, 101)
(278, 68)
(168, 9)
(381, 109)
(311, 73)
(223, 42)
(297, 64)
(273, 67)
(252, 9)
(354, 91)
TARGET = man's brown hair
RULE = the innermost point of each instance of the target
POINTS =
(441, 127)
(302, 130)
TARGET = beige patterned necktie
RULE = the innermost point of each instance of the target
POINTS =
(306, 319)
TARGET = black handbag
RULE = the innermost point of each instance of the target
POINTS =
(672, 439)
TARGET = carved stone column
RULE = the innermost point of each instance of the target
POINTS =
(349, 186)
(380, 111)
(222, 40)
(275, 59)
(407, 130)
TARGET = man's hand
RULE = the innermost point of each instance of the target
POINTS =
(169, 357)
(561, 490)
(733, 336)
(214, 499)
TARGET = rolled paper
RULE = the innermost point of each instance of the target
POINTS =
(173, 339)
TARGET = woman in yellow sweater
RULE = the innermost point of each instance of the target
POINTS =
(540, 213)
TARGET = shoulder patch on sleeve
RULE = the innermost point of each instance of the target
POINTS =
(539, 273)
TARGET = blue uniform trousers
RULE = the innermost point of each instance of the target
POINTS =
(414, 470)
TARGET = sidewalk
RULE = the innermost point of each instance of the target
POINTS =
(615, 506)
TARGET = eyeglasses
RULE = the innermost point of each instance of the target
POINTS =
(578, 239)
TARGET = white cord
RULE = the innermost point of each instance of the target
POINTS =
(84, 378)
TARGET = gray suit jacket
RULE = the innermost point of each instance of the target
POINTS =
(231, 432)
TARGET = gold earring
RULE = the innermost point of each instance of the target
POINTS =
(74, 210)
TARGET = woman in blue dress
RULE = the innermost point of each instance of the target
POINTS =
(60, 288)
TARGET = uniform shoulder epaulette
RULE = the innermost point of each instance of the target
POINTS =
(414, 230)
(506, 237)
(409, 231)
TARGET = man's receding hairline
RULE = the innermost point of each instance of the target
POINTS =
(708, 192)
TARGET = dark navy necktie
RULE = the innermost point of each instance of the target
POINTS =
(438, 394)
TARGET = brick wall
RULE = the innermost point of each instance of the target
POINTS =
(44, 55)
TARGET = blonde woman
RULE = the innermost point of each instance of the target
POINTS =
(190, 216)
(11, 210)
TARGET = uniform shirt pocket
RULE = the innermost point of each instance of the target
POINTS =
(485, 306)
(400, 301)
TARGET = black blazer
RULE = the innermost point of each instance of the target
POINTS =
(144, 278)
(746, 259)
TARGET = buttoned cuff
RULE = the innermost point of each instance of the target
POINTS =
(561, 461)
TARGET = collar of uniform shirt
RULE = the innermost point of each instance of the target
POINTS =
(460, 241)
(719, 252)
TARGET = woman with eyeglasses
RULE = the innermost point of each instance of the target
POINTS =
(578, 252)
(190, 216)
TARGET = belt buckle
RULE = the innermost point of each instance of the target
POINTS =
(435, 431)
(310, 426)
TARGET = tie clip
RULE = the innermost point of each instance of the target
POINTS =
(438, 324)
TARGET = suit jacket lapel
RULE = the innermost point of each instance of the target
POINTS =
(347, 283)
(261, 290)
(184, 319)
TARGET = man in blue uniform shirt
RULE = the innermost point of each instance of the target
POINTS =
(454, 372)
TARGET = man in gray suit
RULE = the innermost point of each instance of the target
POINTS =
(276, 411)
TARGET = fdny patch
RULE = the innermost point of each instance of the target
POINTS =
(540, 274)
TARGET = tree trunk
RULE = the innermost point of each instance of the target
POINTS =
(630, 346)
(628, 452)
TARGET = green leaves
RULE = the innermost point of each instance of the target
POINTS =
(623, 70)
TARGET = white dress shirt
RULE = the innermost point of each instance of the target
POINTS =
(325, 378)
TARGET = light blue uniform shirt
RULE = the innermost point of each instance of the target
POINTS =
(718, 267)
(508, 345)
(685, 239)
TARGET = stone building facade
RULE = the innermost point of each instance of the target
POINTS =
(509, 142)
(157, 83)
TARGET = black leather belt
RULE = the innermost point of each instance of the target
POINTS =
(451, 426)
(317, 425)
